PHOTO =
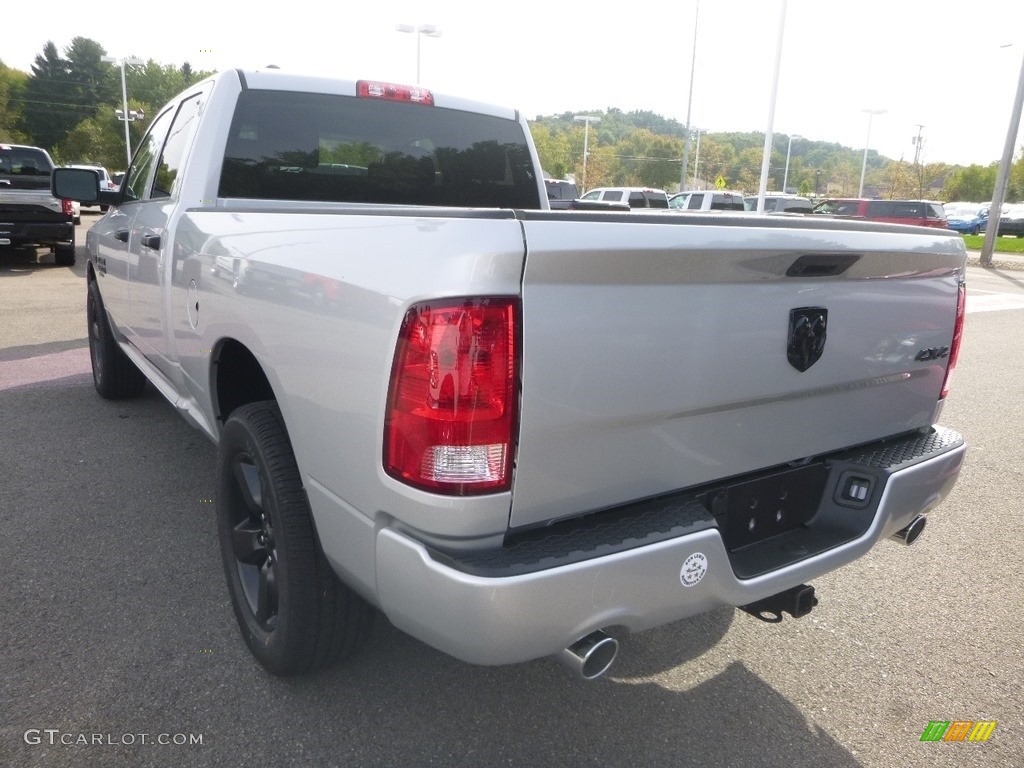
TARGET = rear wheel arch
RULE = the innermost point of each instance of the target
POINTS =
(237, 379)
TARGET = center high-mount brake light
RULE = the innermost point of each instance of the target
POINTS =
(453, 398)
(374, 89)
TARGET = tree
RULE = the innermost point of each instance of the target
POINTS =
(603, 169)
(155, 84)
(746, 173)
(93, 81)
(717, 158)
(99, 139)
(13, 84)
(554, 148)
(650, 160)
(63, 91)
(48, 115)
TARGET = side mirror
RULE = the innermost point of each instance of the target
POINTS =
(81, 184)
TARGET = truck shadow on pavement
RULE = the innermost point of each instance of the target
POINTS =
(118, 622)
(541, 714)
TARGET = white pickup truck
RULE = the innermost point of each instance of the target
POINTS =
(516, 432)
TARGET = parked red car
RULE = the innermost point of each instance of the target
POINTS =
(921, 213)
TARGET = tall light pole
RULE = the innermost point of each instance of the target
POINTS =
(864, 166)
(696, 160)
(789, 148)
(419, 30)
(766, 155)
(1003, 174)
(125, 115)
(587, 120)
(689, 102)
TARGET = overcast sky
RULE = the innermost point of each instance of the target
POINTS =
(951, 67)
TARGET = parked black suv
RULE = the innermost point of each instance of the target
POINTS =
(29, 214)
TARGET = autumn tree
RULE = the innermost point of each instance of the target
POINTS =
(650, 160)
(554, 148)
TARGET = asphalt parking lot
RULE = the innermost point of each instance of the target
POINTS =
(118, 628)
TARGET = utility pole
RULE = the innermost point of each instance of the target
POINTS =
(917, 142)
(586, 120)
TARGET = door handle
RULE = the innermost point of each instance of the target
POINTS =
(122, 235)
(151, 241)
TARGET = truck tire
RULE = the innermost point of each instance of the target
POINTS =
(113, 374)
(64, 255)
(294, 613)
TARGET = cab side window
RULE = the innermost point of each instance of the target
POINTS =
(179, 138)
(140, 173)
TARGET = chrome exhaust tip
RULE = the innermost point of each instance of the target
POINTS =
(911, 533)
(590, 656)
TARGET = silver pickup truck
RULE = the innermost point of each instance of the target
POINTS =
(515, 432)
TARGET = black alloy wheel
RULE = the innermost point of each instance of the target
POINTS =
(113, 374)
(294, 613)
(252, 538)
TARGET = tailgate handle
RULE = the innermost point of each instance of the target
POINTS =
(122, 235)
(151, 241)
(822, 264)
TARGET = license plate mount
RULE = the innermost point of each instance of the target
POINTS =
(751, 511)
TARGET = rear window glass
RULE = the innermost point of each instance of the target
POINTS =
(727, 203)
(909, 210)
(795, 206)
(561, 190)
(305, 146)
(24, 161)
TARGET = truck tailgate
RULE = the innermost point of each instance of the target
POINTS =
(655, 348)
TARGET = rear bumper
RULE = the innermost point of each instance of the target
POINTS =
(37, 232)
(486, 619)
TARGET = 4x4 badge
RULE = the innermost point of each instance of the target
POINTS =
(807, 330)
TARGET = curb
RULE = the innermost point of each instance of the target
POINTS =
(999, 261)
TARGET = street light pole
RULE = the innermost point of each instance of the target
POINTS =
(419, 30)
(696, 160)
(785, 176)
(689, 101)
(126, 115)
(767, 154)
(1003, 175)
(586, 120)
(864, 165)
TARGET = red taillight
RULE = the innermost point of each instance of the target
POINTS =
(67, 207)
(373, 89)
(958, 332)
(452, 401)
